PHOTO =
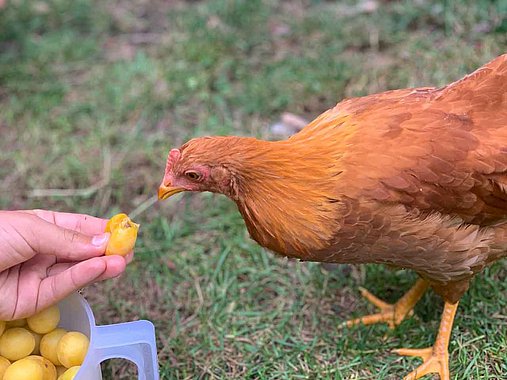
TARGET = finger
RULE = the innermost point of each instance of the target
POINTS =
(27, 283)
(129, 257)
(59, 286)
(58, 268)
(46, 238)
(86, 224)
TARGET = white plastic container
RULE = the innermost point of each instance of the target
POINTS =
(134, 341)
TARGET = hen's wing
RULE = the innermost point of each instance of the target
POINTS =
(441, 150)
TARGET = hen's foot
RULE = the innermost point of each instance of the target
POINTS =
(436, 358)
(392, 314)
(433, 362)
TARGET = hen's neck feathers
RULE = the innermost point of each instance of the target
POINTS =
(286, 190)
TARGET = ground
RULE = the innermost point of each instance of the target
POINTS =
(93, 94)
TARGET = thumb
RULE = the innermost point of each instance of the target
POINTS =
(49, 239)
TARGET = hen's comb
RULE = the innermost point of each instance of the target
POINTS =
(174, 155)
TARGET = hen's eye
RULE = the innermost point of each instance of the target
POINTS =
(193, 175)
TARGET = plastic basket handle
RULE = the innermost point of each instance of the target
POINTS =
(134, 341)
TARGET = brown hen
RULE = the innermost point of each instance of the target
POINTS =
(413, 178)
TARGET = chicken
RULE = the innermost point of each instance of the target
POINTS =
(413, 178)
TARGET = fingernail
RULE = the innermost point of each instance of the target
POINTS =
(99, 240)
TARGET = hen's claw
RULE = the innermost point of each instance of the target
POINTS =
(392, 314)
(374, 299)
(433, 362)
(436, 358)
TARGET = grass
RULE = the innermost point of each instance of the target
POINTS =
(93, 95)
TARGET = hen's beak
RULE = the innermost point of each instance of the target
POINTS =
(165, 191)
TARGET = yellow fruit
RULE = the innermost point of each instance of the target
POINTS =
(60, 370)
(72, 348)
(113, 223)
(36, 350)
(2, 328)
(49, 344)
(16, 323)
(70, 373)
(4, 363)
(44, 321)
(24, 369)
(48, 368)
(123, 235)
(16, 343)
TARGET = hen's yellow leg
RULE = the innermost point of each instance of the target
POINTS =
(392, 314)
(436, 358)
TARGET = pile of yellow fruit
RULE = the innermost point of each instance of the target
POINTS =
(35, 348)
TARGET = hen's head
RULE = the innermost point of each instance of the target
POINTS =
(200, 165)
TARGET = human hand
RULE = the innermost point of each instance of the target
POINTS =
(45, 255)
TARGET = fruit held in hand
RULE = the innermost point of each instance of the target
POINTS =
(16, 343)
(114, 222)
(123, 235)
(72, 348)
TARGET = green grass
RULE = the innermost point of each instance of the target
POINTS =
(96, 94)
